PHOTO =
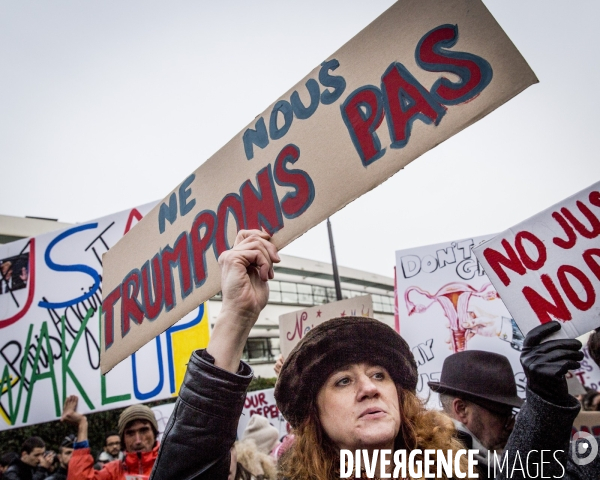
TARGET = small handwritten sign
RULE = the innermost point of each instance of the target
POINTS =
(262, 402)
(293, 326)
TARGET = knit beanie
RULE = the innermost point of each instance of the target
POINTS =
(262, 432)
(136, 412)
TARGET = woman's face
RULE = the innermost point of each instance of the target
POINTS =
(358, 407)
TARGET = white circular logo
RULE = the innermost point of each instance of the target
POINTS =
(584, 448)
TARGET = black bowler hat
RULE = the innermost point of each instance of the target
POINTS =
(485, 378)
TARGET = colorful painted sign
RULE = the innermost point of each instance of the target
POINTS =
(446, 304)
(50, 304)
(429, 68)
(548, 267)
(293, 326)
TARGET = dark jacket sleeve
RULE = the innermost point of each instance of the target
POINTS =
(11, 474)
(203, 426)
(40, 473)
(542, 428)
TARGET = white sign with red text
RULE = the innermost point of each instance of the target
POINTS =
(548, 267)
(262, 402)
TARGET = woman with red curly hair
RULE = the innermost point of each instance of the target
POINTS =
(349, 384)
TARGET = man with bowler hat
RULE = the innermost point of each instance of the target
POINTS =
(478, 391)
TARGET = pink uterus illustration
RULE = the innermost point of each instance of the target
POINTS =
(464, 321)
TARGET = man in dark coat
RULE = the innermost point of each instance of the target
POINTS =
(65, 452)
(34, 463)
(478, 391)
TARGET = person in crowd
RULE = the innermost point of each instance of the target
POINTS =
(593, 345)
(264, 435)
(111, 450)
(478, 391)
(5, 460)
(33, 464)
(65, 451)
(137, 430)
(591, 400)
(252, 463)
(350, 383)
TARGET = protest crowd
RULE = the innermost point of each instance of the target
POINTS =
(348, 385)
(348, 389)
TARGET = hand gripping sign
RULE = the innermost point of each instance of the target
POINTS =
(429, 68)
(548, 267)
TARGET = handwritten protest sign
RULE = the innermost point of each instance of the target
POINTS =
(293, 326)
(548, 267)
(446, 304)
(262, 402)
(259, 402)
(50, 297)
(430, 68)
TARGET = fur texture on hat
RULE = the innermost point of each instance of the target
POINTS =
(262, 432)
(335, 344)
(136, 412)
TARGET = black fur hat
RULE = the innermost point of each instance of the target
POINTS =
(335, 344)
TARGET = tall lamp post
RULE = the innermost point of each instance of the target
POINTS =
(336, 274)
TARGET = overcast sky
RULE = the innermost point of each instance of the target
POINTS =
(105, 105)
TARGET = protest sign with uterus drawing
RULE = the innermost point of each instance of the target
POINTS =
(465, 321)
(447, 304)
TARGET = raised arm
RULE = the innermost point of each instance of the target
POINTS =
(245, 270)
(544, 423)
(202, 428)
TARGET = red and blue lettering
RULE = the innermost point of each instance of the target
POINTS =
(406, 100)
(362, 113)
(474, 72)
(293, 203)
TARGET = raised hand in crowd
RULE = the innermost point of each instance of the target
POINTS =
(278, 364)
(47, 459)
(545, 364)
(71, 416)
(245, 270)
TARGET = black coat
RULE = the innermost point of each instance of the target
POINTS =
(201, 431)
(544, 426)
(59, 474)
(18, 470)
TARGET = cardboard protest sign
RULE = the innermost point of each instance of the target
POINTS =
(446, 304)
(293, 326)
(51, 287)
(430, 68)
(548, 267)
(262, 402)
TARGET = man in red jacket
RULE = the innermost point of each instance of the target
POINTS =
(137, 429)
